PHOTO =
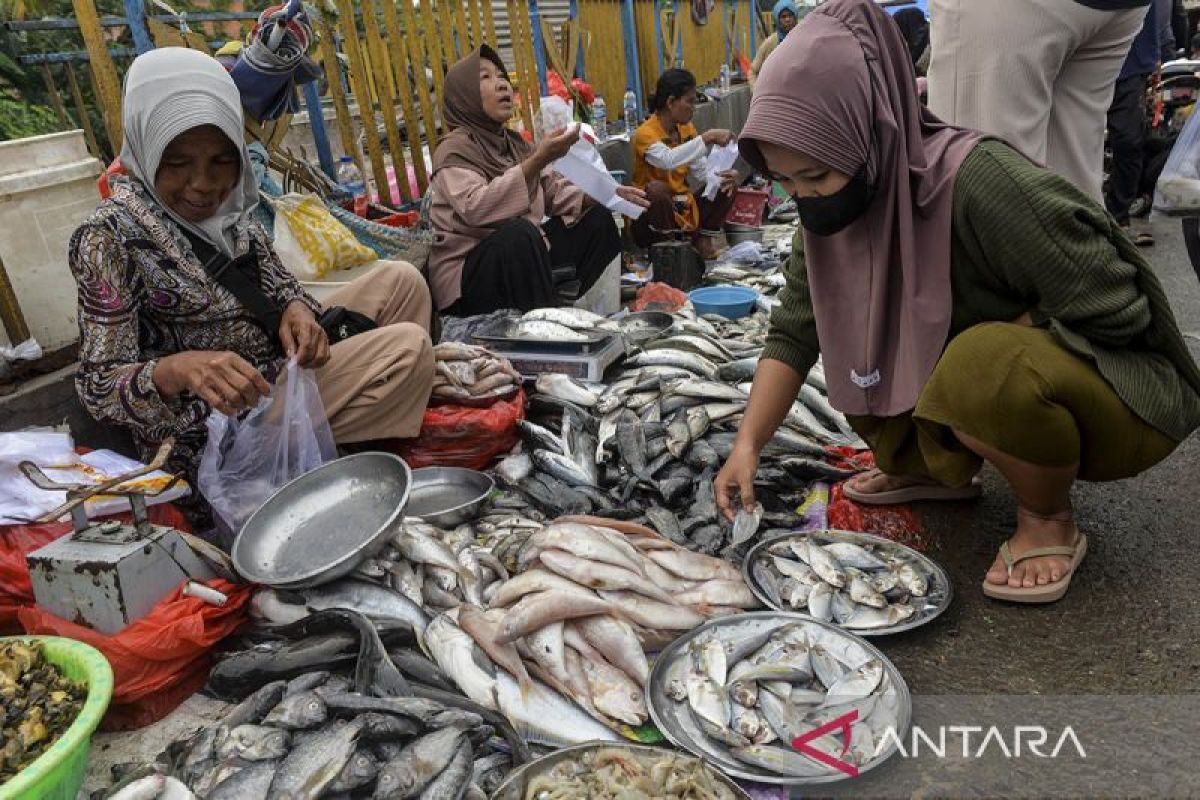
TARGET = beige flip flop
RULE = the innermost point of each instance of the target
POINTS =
(1047, 593)
(908, 494)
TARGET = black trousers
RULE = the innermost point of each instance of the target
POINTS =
(1127, 138)
(513, 268)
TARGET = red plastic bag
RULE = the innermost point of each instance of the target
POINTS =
(17, 541)
(896, 522)
(459, 436)
(155, 658)
(659, 297)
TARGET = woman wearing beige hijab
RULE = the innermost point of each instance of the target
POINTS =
(163, 342)
(511, 232)
(969, 306)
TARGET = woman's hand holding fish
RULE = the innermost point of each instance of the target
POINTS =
(737, 476)
(775, 387)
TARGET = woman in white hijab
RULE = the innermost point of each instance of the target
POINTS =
(163, 342)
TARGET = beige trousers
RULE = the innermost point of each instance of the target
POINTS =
(376, 385)
(1037, 73)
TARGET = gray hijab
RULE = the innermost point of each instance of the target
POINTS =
(169, 91)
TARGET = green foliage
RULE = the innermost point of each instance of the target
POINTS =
(19, 119)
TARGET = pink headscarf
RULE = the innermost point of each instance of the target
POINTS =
(840, 87)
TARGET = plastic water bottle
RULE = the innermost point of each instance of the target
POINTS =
(725, 85)
(351, 179)
(630, 104)
(600, 118)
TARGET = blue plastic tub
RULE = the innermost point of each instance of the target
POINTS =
(733, 302)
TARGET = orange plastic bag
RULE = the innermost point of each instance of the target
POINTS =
(155, 657)
(659, 297)
(459, 436)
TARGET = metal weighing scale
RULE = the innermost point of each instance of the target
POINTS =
(584, 360)
(107, 574)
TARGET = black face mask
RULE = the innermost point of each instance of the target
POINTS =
(825, 216)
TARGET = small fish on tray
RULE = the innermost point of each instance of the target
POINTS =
(861, 582)
(740, 691)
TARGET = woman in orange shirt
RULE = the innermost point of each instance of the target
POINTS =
(667, 150)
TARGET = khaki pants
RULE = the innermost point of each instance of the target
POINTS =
(1039, 74)
(376, 385)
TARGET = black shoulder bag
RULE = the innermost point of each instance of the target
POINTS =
(241, 277)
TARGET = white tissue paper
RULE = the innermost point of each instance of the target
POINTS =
(719, 160)
(583, 166)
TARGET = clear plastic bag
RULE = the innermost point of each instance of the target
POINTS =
(246, 460)
(1178, 188)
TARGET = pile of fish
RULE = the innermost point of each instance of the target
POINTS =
(314, 737)
(647, 445)
(420, 569)
(561, 325)
(469, 375)
(752, 695)
(583, 606)
(37, 704)
(619, 773)
(860, 587)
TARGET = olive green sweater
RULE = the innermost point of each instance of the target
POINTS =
(1024, 239)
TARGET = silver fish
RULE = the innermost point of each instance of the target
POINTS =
(254, 743)
(514, 468)
(863, 592)
(849, 554)
(745, 524)
(828, 669)
(455, 779)
(826, 566)
(366, 598)
(574, 318)
(562, 468)
(315, 762)
(298, 712)
(675, 358)
(618, 643)
(857, 684)
(820, 602)
(867, 618)
(598, 575)
(418, 764)
(252, 782)
(547, 331)
(567, 388)
(912, 580)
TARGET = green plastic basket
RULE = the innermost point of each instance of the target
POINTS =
(58, 773)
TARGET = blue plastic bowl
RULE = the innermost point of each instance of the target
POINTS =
(732, 302)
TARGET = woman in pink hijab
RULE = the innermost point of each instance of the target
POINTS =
(968, 305)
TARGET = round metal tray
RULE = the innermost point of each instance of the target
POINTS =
(677, 723)
(448, 496)
(323, 524)
(936, 600)
(513, 787)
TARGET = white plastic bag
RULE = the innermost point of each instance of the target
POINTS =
(247, 460)
(1178, 187)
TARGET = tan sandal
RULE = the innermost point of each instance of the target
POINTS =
(1046, 593)
(908, 494)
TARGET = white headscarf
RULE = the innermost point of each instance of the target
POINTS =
(169, 91)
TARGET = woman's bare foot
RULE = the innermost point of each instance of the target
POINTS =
(875, 481)
(1036, 530)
